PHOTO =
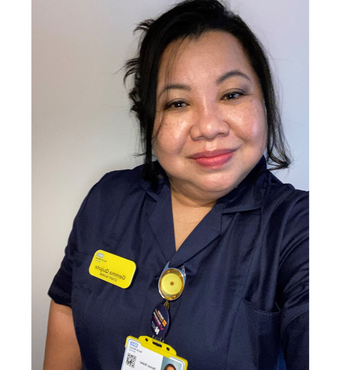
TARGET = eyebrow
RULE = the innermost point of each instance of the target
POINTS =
(230, 74)
(174, 87)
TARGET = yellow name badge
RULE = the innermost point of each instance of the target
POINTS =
(113, 269)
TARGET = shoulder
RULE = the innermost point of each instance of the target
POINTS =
(285, 212)
(112, 189)
(120, 181)
(280, 196)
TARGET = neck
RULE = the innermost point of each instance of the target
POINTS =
(191, 200)
(187, 214)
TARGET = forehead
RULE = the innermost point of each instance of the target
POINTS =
(214, 52)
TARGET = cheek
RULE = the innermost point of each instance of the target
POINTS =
(259, 129)
(252, 124)
(165, 143)
(170, 134)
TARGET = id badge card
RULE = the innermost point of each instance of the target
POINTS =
(146, 353)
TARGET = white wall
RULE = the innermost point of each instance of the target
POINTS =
(82, 127)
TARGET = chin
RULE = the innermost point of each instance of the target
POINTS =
(222, 184)
(218, 189)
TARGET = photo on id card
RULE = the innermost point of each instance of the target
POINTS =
(146, 353)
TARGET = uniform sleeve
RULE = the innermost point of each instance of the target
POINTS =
(293, 286)
(95, 214)
(61, 287)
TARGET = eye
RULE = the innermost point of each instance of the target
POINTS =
(232, 95)
(176, 104)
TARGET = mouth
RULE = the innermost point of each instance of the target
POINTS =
(214, 158)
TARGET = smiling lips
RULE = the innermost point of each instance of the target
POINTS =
(213, 159)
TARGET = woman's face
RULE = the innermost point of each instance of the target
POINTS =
(210, 126)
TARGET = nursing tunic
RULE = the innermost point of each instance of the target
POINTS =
(245, 302)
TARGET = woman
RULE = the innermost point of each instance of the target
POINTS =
(208, 206)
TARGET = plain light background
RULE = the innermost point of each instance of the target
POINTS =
(82, 127)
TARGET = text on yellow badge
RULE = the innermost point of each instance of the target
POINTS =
(113, 269)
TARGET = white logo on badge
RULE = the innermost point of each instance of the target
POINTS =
(100, 255)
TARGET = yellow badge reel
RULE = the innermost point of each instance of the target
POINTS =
(171, 283)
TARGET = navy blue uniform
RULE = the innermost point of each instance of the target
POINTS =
(245, 302)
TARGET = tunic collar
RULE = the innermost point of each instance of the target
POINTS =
(247, 196)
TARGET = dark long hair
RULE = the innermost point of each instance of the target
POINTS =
(193, 18)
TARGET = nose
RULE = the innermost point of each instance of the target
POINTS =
(209, 123)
